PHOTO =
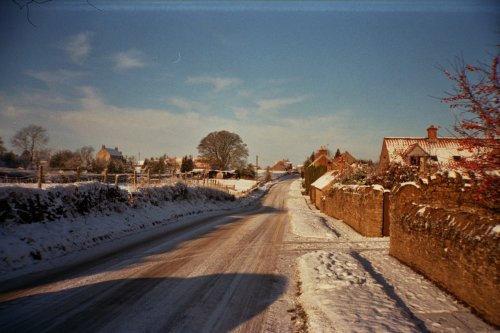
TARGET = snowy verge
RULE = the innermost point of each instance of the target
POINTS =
(27, 246)
(347, 297)
(352, 284)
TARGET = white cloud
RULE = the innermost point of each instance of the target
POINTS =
(241, 112)
(218, 83)
(267, 105)
(54, 77)
(90, 120)
(78, 47)
(129, 60)
(187, 105)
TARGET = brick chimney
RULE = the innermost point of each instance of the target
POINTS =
(432, 134)
(322, 151)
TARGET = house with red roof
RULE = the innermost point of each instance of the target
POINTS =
(322, 158)
(283, 165)
(422, 152)
(343, 161)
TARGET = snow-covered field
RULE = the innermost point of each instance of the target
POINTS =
(240, 185)
(353, 285)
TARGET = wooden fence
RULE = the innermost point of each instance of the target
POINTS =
(134, 179)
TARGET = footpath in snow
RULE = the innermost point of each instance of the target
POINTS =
(352, 284)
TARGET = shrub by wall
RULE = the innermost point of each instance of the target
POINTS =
(438, 230)
(361, 207)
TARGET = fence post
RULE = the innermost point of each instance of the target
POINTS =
(78, 172)
(116, 180)
(134, 180)
(40, 176)
(149, 176)
(105, 176)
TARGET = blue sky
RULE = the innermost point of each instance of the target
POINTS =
(155, 77)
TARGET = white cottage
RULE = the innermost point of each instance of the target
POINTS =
(443, 152)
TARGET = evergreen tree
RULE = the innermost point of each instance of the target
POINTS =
(187, 164)
(337, 153)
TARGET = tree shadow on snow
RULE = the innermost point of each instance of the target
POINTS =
(213, 303)
(176, 233)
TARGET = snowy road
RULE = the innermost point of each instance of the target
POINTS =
(219, 275)
(278, 266)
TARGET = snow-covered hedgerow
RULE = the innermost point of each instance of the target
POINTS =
(156, 195)
(30, 205)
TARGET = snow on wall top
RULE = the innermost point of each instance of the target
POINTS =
(325, 180)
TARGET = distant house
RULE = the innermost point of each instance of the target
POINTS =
(423, 153)
(283, 165)
(322, 158)
(105, 155)
(343, 161)
(201, 163)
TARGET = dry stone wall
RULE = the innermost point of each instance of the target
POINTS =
(361, 207)
(438, 230)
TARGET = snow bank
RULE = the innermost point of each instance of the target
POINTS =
(240, 185)
(37, 226)
(27, 205)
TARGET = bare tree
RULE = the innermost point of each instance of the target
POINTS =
(223, 149)
(30, 140)
(86, 155)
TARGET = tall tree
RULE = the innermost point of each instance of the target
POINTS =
(223, 149)
(30, 139)
(476, 96)
(187, 164)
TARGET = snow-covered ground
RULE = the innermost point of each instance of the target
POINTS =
(26, 248)
(348, 282)
(352, 284)
(240, 185)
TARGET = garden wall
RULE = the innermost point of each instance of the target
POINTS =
(361, 207)
(438, 230)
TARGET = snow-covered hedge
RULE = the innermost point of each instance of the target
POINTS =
(156, 195)
(30, 205)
